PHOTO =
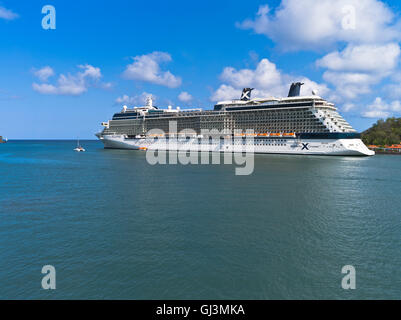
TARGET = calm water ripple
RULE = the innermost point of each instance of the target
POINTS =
(116, 227)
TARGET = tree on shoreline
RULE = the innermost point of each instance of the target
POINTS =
(383, 132)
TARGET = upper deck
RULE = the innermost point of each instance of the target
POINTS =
(148, 112)
(301, 114)
(267, 103)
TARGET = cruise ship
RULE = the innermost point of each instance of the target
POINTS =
(303, 125)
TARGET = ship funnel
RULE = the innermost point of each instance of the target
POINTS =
(295, 89)
(246, 94)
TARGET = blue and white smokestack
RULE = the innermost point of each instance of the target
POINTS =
(295, 89)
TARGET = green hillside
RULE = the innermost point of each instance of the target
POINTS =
(383, 132)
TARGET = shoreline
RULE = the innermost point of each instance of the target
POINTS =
(386, 152)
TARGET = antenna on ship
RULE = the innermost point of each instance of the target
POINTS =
(246, 94)
(295, 89)
(149, 101)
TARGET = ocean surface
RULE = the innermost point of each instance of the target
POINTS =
(116, 227)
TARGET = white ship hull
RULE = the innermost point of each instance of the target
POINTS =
(330, 147)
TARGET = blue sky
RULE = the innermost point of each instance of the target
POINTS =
(62, 83)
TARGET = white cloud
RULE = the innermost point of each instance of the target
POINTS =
(90, 71)
(350, 85)
(382, 109)
(69, 84)
(106, 85)
(355, 69)
(44, 88)
(348, 77)
(135, 100)
(265, 78)
(396, 106)
(367, 30)
(393, 89)
(44, 73)
(225, 92)
(7, 14)
(184, 96)
(363, 58)
(309, 85)
(147, 68)
(311, 24)
(348, 107)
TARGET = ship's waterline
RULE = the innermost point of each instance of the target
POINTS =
(294, 125)
(281, 145)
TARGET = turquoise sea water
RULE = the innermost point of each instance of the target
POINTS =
(114, 226)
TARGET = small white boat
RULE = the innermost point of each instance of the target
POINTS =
(79, 148)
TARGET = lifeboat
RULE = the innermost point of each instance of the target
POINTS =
(290, 134)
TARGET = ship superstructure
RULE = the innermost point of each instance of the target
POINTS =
(294, 125)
